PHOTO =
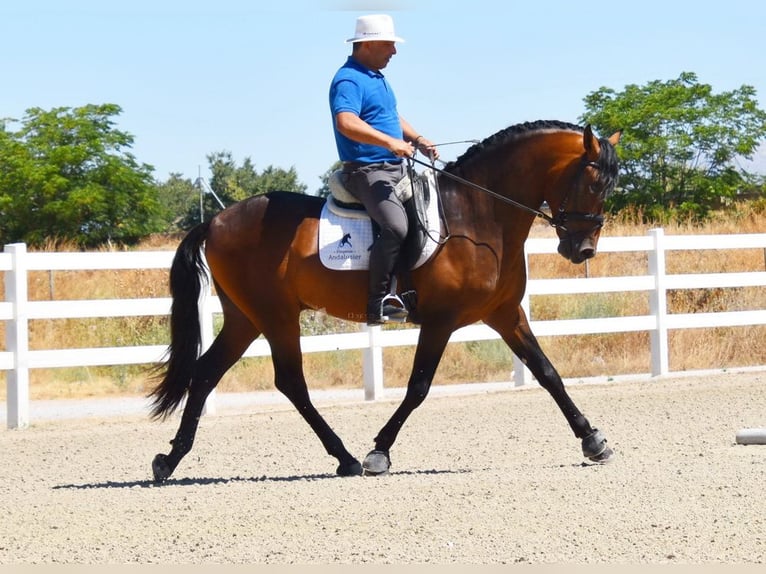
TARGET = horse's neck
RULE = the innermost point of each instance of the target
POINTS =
(479, 215)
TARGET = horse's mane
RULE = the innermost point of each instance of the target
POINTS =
(607, 159)
(510, 134)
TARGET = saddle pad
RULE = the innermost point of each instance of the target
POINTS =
(344, 242)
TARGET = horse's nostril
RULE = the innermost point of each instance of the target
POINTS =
(589, 253)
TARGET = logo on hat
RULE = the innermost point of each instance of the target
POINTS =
(375, 28)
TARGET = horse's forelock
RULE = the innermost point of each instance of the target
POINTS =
(608, 165)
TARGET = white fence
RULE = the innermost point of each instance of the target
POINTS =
(17, 310)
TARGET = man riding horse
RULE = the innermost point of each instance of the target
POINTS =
(372, 138)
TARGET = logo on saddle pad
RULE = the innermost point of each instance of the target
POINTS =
(346, 235)
(342, 254)
(345, 241)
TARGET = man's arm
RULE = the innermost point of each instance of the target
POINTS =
(354, 128)
(421, 143)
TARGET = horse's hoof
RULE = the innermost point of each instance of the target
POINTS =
(594, 447)
(161, 468)
(606, 456)
(376, 463)
(349, 469)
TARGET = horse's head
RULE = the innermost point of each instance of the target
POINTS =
(578, 203)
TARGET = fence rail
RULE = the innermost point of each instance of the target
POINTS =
(17, 311)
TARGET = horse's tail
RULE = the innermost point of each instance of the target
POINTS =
(187, 275)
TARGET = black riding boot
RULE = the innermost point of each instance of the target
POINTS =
(383, 258)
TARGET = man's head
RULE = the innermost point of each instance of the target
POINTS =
(374, 40)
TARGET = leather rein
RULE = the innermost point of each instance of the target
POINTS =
(558, 221)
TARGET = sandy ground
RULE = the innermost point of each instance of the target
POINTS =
(494, 477)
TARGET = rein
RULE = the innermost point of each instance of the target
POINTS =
(558, 221)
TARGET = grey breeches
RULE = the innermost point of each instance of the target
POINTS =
(373, 185)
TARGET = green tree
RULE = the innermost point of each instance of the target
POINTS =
(230, 183)
(178, 196)
(679, 144)
(67, 174)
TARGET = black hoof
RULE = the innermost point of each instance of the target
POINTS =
(161, 468)
(594, 447)
(349, 469)
(376, 463)
(604, 457)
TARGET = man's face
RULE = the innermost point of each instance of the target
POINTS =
(379, 53)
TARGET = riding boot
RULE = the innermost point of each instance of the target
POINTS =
(383, 258)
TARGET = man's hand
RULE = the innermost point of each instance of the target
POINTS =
(401, 148)
(427, 148)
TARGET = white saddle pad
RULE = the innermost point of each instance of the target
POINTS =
(344, 242)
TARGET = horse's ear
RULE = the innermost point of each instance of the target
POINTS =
(592, 147)
(614, 139)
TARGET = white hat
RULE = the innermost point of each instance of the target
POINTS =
(377, 27)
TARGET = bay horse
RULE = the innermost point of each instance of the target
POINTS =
(262, 255)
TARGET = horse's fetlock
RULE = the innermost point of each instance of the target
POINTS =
(182, 446)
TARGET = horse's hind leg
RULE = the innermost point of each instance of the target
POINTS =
(227, 348)
(524, 344)
(290, 381)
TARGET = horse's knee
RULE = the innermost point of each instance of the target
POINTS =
(417, 391)
(550, 380)
(295, 392)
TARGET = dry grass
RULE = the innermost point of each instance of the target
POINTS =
(577, 356)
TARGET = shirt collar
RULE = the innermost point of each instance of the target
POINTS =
(362, 68)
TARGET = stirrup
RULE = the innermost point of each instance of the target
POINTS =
(393, 309)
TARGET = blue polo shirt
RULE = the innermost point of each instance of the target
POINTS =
(367, 94)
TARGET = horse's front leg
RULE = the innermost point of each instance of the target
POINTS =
(431, 345)
(515, 331)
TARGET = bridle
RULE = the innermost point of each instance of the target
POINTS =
(562, 217)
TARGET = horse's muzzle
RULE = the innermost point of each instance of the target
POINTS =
(577, 248)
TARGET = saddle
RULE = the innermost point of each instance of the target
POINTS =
(346, 232)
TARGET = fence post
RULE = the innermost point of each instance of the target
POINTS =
(17, 337)
(372, 360)
(658, 305)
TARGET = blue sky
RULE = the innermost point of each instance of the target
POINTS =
(251, 77)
